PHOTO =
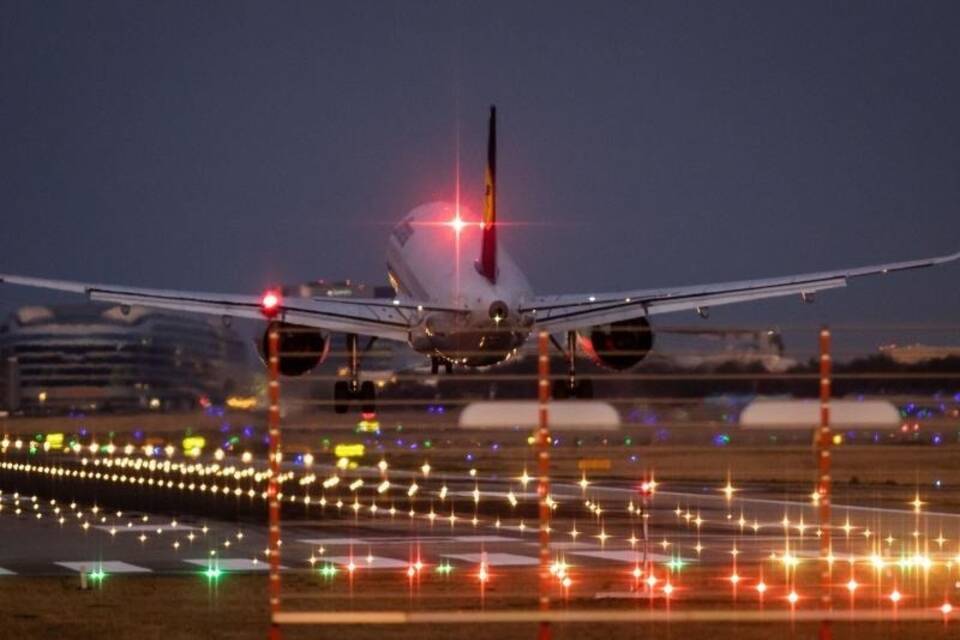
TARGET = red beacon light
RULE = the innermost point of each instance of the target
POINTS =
(270, 303)
(457, 224)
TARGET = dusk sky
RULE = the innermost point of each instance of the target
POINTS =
(228, 146)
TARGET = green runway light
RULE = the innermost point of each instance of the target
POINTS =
(328, 571)
(676, 564)
(445, 568)
(213, 573)
(98, 575)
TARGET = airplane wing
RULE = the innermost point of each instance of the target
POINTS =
(568, 312)
(389, 319)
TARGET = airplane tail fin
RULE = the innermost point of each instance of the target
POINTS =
(487, 265)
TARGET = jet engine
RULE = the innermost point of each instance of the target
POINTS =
(619, 345)
(301, 348)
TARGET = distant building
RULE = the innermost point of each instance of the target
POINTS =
(338, 289)
(101, 357)
(917, 353)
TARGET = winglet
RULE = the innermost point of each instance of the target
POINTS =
(487, 265)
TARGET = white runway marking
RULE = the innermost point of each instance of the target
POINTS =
(6, 572)
(145, 528)
(366, 562)
(567, 545)
(482, 538)
(231, 564)
(494, 559)
(107, 566)
(335, 542)
(628, 556)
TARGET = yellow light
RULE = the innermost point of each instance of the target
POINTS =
(917, 503)
(193, 445)
(852, 585)
(728, 491)
(946, 608)
(349, 450)
(242, 403)
(55, 440)
(762, 587)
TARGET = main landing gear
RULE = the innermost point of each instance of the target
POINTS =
(570, 387)
(436, 361)
(352, 390)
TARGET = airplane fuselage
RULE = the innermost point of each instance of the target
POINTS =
(431, 261)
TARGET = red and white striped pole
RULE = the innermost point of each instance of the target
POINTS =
(543, 488)
(823, 488)
(273, 485)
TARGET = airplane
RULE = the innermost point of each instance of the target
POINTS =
(464, 308)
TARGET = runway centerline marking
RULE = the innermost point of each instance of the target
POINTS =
(107, 566)
(622, 555)
(366, 562)
(494, 559)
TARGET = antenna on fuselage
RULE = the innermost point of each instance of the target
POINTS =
(487, 264)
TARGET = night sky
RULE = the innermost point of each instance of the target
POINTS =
(228, 146)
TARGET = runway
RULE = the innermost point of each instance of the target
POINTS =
(462, 523)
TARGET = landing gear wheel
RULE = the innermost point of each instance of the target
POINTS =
(341, 396)
(368, 397)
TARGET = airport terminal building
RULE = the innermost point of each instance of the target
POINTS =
(103, 357)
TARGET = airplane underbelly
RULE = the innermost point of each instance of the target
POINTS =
(473, 347)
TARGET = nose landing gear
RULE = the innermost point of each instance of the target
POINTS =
(352, 390)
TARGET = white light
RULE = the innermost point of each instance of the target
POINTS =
(457, 223)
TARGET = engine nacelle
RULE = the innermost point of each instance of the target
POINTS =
(301, 348)
(619, 345)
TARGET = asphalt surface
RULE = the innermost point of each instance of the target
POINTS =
(45, 529)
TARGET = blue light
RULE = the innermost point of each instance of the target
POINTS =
(721, 440)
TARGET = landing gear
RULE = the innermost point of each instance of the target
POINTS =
(352, 390)
(571, 387)
(436, 361)
(368, 397)
(341, 396)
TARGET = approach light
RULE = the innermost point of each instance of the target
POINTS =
(270, 303)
